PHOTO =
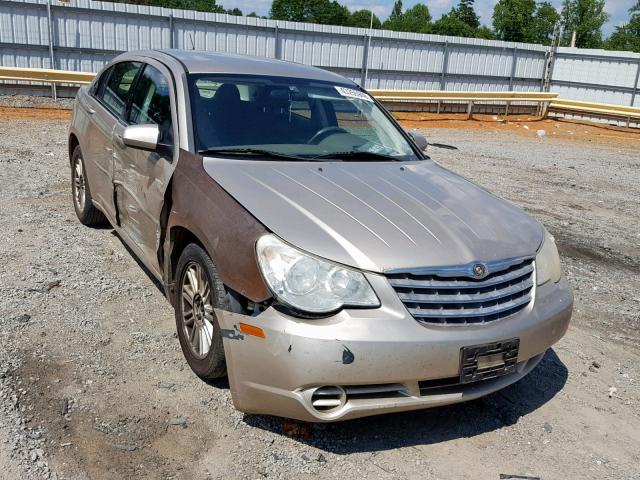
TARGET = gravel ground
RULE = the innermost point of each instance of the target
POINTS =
(93, 383)
(24, 101)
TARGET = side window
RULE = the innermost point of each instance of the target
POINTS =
(151, 103)
(99, 82)
(113, 94)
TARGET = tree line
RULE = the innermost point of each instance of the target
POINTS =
(529, 21)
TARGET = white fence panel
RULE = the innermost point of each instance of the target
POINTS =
(87, 34)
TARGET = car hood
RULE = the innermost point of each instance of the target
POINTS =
(379, 216)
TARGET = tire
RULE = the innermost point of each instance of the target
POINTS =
(196, 320)
(86, 211)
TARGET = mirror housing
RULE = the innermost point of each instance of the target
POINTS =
(420, 140)
(144, 137)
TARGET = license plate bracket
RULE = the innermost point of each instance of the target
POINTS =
(490, 360)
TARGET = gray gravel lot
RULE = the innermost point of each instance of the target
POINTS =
(93, 383)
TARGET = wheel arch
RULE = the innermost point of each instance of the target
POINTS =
(73, 143)
(180, 238)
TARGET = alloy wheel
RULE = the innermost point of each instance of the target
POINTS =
(79, 193)
(197, 309)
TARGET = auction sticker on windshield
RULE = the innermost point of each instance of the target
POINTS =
(350, 92)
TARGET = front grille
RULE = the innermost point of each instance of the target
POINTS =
(437, 297)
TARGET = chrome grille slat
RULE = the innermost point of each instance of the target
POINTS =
(467, 298)
(439, 298)
(469, 312)
(431, 281)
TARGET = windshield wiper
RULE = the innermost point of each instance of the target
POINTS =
(267, 154)
(358, 155)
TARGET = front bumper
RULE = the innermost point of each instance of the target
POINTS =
(383, 356)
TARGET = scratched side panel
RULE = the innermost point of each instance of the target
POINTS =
(227, 230)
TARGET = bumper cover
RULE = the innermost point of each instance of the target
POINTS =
(381, 349)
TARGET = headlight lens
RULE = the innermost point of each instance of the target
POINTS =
(548, 261)
(308, 283)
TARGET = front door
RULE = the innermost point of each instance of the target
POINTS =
(141, 177)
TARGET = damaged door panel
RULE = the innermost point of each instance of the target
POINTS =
(141, 176)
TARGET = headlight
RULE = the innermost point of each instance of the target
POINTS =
(548, 261)
(308, 283)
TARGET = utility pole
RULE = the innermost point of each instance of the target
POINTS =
(52, 58)
(548, 70)
(366, 67)
(573, 39)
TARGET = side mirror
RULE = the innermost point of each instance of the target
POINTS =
(419, 140)
(144, 137)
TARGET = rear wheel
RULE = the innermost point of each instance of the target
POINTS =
(86, 211)
(199, 292)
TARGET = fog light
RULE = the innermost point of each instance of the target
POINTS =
(328, 398)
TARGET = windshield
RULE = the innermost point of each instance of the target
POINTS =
(294, 117)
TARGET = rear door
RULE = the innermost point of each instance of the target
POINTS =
(106, 106)
(141, 177)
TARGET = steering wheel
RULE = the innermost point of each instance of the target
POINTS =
(324, 133)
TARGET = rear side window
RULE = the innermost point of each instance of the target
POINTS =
(114, 92)
(151, 103)
(99, 82)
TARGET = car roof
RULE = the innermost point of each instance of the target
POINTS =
(195, 61)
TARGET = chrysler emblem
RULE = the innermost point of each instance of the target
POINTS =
(479, 270)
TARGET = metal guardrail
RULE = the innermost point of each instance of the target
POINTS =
(544, 99)
(591, 109)
(45, 75)
(430, 95)
(470, 97)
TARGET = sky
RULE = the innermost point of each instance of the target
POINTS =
(617, 9)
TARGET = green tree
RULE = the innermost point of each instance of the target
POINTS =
(331, 13)
(294, 10)
(544, 23)
(451, 24)
(586, 18)
(396, 12)
(525, 21)
(328, 12)
(362, 19)
(462, 21)
(486, 33)
(627, 36)
(198, 5)
(467, 14)
(512, 19)
(417, 19)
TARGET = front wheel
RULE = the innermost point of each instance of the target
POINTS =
(199, 292)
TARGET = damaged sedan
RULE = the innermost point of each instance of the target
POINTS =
(311, 250)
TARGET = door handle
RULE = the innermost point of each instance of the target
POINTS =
(88, 109)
